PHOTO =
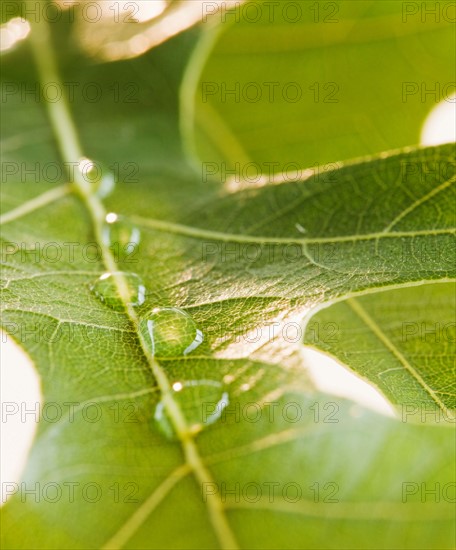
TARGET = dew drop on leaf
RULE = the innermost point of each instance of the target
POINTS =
(106, 290)
(201, 401)
(170, 332)
(100, 178)
(121, 236)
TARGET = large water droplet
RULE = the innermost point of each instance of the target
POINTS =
(170, 332)
(106, 289)
(121, 236)
(201, 401)
(100, 178)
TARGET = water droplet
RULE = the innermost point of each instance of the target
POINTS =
(98, 176)
(120, 235)
(201, 401)
(107, 291)
(170, 332)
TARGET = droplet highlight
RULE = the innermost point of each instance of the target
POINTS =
(170, 332)
(201, 401)
(119, 289)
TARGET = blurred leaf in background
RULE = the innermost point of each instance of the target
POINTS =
(312, 83)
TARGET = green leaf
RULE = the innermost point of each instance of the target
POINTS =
(368, 50)
(403, 340)
(286, 86)
(239, 265)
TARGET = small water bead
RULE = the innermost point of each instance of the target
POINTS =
(300, 228)
(201, 401)
(106, 290)
(98, 176)
(170, 332)
(120, 235)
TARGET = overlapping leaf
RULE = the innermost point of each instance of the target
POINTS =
(312, 83)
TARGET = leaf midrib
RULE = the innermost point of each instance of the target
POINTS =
(71, 151)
